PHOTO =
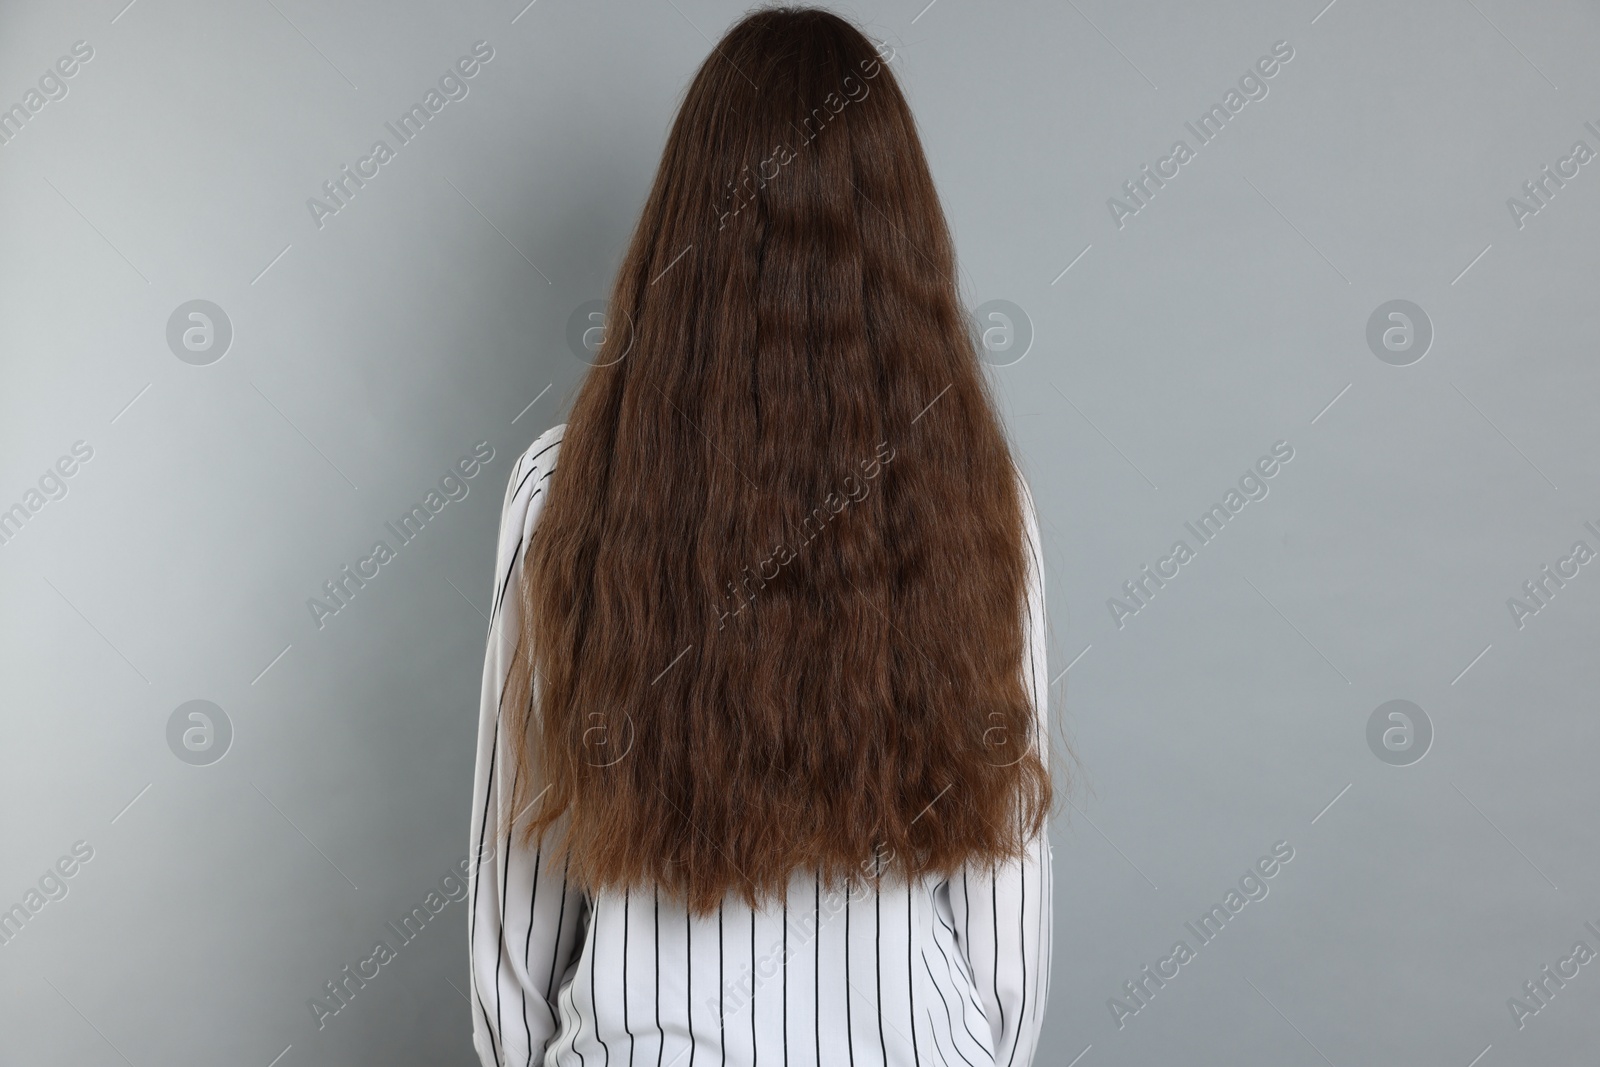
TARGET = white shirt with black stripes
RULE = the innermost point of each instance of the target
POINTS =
(941, 971)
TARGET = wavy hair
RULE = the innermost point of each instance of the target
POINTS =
(773, 610)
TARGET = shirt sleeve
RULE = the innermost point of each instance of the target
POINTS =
(525, 920)
(1002, 914)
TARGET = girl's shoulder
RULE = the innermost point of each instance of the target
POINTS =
(540, 454)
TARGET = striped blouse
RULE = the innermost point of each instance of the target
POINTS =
(943, 971)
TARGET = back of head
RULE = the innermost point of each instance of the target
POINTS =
(780, 570)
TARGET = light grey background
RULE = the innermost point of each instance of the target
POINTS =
(431, 314)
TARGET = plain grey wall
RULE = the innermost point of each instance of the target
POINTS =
(1175, 340)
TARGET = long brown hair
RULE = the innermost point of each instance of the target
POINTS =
(775, 602)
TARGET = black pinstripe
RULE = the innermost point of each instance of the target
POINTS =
(996, 955)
